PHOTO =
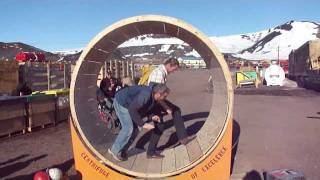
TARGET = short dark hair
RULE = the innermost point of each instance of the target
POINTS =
(160, 88)
(172, 61)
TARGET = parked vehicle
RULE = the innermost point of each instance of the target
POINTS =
(304, 65)
(30, 56)
(285, 66)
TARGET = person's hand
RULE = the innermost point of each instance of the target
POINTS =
(155, 118)
(148, 126)
(169, 111)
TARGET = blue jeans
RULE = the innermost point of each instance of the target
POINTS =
(126, 130)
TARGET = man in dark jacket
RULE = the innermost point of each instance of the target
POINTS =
(159, 76)
(22, 90)
(132, 104)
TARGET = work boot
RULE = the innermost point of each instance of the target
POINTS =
(124, 155)
(116, 156)
(155, 155)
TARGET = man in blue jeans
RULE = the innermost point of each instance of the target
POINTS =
(132, 104)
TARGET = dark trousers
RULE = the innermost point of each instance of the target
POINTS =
(159, 127)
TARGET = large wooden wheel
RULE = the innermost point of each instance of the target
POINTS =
(83, 104)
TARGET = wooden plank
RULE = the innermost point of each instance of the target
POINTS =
(57, 67)
(37, 78)
(106, 154)
(83, 82)
(8, 112)
(48, 75)
(182, 157)
(40, 74)
(194, 150)
(171, 29)
(41, 107)
(9, 77)
(57, 78)
(141, 163)
(12, 125)
(56, 83)
(65, 77)
(37, 69)
(56, 73)
(127, 33)
(169, 161)
(142, 28)
(63, 113)
(132, 155)
(114, 38)
(57, 86)
(42, 119)
(97, 55)
(103, 150)
(154, 166)
(39, 83)
(39, 88)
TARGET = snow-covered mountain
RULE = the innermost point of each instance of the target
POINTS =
(68, 51)
(260, 45)
(283, 38)
(252, 46)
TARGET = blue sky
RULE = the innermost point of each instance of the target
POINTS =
(66, 24)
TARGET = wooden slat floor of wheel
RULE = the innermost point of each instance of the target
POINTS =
(194, 109)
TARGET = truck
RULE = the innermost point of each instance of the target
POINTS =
(285, 66)
(304, 65)
(30, 56)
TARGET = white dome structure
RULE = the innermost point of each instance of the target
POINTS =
(274, 75)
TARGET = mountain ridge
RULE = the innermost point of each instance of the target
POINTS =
(258, 45)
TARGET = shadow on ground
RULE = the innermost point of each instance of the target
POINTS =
(314, 117)
(252, 175)
(9, 169)
(235, 141)
(14, 159)
(64, 167)
(173, 139)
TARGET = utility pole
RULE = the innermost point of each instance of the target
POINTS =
(278, 55)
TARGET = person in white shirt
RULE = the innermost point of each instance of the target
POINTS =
(159, 76)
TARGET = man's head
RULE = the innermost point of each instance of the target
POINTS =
(171, 64)
(127, 81)
(105, 87)
(160, 92)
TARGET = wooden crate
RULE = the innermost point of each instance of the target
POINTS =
(9, 77)
(41, 111)
(63, 107)
(12, 115)
(45, 76)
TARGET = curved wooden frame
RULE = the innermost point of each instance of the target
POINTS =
(86, 71)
